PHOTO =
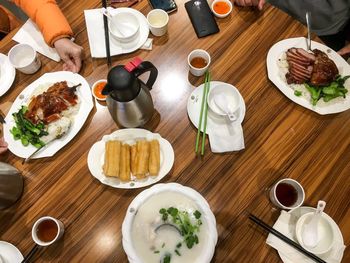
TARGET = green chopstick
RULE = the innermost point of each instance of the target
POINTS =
(201, 112)
(205, 113)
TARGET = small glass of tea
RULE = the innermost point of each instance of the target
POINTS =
(47, 230)
(198, 61)
(287, 194)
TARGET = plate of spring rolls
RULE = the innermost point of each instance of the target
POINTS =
(130, 158)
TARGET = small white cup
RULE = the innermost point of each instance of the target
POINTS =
(60, 231)
(24, 58)
(124, 26)
(158, 22)
(198, 53)
(299, 189)
(232, 95)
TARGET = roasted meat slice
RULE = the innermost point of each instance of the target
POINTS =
(47, 106)
(324, 71)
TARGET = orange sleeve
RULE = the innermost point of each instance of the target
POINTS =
(49, 18)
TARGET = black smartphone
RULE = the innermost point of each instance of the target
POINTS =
(167, 5)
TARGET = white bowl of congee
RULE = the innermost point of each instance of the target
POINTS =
(169, 223)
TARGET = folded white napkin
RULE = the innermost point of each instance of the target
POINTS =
(30, 34)
(226, 140)
(95, 30)
(286, 225)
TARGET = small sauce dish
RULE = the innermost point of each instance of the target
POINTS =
(221, 8)
(325, 233)
(97, 88)
(124, 26)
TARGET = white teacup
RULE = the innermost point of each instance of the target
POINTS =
(47, 230)
(158, 22)
(198, 53)
(299, 192)
(24, 58)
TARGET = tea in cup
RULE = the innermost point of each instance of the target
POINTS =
(47, 230)
(198, 61)
(287, 194)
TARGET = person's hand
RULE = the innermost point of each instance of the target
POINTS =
(258, 3)
(345, 51)
(3, 145)
(70, 53)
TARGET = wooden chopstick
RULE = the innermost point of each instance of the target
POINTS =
(285, 239)
(105, 24)
(201, 113)
(205, 112)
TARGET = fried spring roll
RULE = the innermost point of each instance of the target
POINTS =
(142, 158)
(124, 174)
(133, 150)
(112, 158)
(154, 158)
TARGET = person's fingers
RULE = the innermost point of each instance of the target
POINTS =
(69, 65)
(3, 146)
(344, 51)
(240, 2)
(3, 149)
(261, 4)
(247, 3)
(255, 2)
(77, 61)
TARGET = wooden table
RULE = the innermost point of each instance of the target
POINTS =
(282, 140)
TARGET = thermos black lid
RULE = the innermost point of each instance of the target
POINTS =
(121, 85)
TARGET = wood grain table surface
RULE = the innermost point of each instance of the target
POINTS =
(282, 140)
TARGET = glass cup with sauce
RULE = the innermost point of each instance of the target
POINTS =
(47, 230)
(287, 194)
(198, 61)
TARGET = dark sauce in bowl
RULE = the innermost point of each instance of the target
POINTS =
(286, 194)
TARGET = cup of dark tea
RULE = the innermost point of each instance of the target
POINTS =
(287, 194)
(47, 230)
(198, 62)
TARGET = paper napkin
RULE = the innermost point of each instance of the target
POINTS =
(31, 35)
(226, 140)
(286, 226)
(96, 35)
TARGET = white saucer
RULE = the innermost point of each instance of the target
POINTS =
(214, 121)
(95, 30)
(295, 215)
(7, 74)
(9, 253)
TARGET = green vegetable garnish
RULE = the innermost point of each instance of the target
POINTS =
(167, 258)
(334, 90)
(297, 93)
(177, 252)
(26, 131)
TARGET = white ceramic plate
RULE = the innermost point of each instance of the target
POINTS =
(296, 214)
(9, 253)
(96, 157)
(86, 105)
(95, 29)
(7, 74)
(276, 51)
(214, 121)
(202, 204)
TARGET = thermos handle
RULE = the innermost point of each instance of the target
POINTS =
(144, 67)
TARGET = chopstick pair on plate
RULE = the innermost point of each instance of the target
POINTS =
(203, 116)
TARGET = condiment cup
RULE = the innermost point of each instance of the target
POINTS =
(325, 233)
(299, 192)
(94, 91)
(124, 26)
(221, 15)
(198, 53)
(232, 98)
(158, 22)
(24, 58)
(60, 231)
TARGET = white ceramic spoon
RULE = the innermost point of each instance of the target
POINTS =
(310, 230)
(108, 15)
(222, 102)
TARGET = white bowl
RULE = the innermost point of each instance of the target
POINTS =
(325, 233)
(124, 26)
(207, 217)
(221, 15)
(93, 89)
(230, 92)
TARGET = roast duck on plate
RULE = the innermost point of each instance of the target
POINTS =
(315, 68)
